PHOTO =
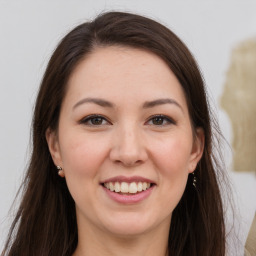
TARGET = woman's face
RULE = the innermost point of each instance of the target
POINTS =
(124, 126)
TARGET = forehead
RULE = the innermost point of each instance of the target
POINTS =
(118, 72)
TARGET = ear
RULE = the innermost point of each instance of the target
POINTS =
(53, 145)
(197, 149)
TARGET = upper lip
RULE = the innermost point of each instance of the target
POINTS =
(128, 179)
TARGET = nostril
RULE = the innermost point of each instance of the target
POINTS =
(128, 163)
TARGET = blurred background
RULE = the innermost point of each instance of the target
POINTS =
(220, 34)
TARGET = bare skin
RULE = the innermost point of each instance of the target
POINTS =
(149, 244)
(124, 114)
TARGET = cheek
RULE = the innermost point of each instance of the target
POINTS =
(172, 156)
(82, 155)
(172, 162)
(82, 158)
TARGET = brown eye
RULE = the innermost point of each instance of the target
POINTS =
(160, 120)
(94, 120)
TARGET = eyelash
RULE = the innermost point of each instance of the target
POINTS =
(167, 119)
(88, 120)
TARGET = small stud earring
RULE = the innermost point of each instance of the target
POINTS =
(60, 171)
(194, 180)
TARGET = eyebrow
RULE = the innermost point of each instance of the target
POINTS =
(151, 104)
(147, 104)
(100, 102)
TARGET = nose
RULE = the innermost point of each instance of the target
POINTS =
(128, 147)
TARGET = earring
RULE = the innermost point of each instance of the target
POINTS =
(60, 171)
(194, 180)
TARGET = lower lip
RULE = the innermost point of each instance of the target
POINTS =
(129, 199)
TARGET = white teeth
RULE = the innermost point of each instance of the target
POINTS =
(133, 188)
(125, 187)
(144, 185)
(111, 186)
(117, 187)
(140, 186)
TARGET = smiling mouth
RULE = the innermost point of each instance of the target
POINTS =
(127, 188)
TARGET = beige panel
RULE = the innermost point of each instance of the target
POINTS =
(239, 101)
(250, 246)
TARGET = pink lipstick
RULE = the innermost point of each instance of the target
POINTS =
(128, 190)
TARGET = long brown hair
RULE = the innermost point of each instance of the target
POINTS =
(45, 223)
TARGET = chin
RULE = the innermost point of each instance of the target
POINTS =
(130, 225)
(128, 230)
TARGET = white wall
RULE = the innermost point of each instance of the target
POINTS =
(29, 31)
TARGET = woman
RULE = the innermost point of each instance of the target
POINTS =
(122, 157)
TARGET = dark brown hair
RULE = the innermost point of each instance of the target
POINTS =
(45, 223)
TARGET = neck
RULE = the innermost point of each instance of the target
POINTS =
(97, 243)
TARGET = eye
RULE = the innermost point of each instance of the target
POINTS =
(160, 120)
(94, 120)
